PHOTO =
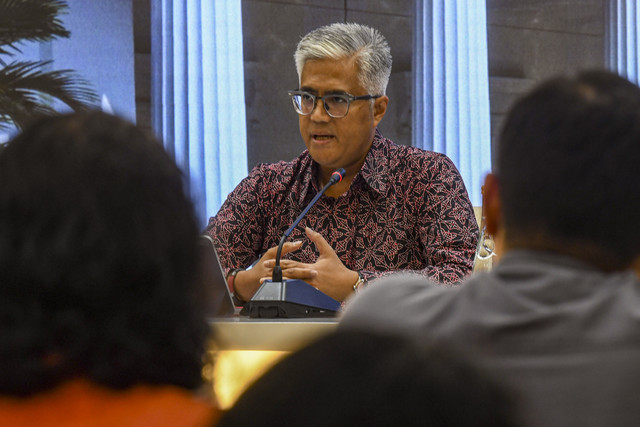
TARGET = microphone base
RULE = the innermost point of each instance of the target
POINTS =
(290, 299)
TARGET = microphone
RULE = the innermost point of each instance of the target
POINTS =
(293, 298)
(336, 177)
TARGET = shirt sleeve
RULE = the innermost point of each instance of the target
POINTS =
(448, 231)
(396, 304)
(237, 228)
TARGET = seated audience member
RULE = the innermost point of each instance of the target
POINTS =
(365, 379)
(559, 316)
(102, 322)
(396, 208)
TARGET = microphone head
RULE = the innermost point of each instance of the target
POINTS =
(337, 175)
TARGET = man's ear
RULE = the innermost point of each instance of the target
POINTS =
(636, 266)
(379, 109)
(492, 205)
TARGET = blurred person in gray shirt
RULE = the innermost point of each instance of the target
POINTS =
(558, 318)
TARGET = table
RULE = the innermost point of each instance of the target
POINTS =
(244, 348)
(243, 333)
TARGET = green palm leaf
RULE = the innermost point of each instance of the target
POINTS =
(31, 20)
(27, 91)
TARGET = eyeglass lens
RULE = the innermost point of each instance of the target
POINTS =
(335, 105)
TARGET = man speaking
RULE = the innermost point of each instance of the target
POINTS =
(396, 208)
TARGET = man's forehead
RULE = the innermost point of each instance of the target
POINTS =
(346, 66)
(315, 91)
(330, 76)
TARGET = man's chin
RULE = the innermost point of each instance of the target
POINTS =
(327, 164)
(323, 157)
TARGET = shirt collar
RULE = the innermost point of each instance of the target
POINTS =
(308, 169)
(374, 172)
(527, 257)
(376, 168)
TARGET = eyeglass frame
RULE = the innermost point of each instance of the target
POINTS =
(350, 98)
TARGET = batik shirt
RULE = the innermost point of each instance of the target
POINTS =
(407, 209)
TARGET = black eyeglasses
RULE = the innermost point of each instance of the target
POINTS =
(336, 105)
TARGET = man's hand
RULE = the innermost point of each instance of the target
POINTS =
(328, 274)
(247, 282)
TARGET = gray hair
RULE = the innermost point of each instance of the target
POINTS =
(340, 41)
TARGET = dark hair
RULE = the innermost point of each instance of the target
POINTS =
(567, 159)
(98, 252)
(353, 378)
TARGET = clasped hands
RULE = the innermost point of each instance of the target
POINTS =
(328, 274)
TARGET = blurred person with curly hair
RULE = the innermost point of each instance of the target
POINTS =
(101, 315)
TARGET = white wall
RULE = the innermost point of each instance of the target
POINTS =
(101, 49)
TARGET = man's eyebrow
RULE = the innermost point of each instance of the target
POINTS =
(335, 92)
(329, 92)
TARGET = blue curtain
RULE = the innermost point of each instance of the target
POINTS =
(621, 38)
(197, 96)
(451, 86)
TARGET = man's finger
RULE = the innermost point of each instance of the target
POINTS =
(323, 246)
(302, 273)
(284, 264)
(291, 246)
(287, 247)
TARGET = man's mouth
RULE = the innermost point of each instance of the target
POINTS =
(321, 137)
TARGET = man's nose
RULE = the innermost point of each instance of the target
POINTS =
(319, 112)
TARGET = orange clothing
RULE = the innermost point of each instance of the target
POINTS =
(81, 403)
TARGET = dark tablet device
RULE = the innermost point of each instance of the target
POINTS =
(218, 298)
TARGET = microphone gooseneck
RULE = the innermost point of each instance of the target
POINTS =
(335, 178)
